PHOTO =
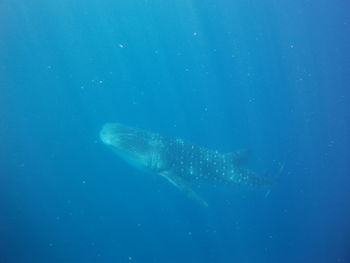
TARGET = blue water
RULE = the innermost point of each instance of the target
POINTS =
(269, 76)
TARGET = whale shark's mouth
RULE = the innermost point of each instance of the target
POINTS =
(113, 134)
(108, 135)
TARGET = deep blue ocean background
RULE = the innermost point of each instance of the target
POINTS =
(269, 76)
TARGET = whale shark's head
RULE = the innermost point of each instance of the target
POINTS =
(138, 147)
(116, 135)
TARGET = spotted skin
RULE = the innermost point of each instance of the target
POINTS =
(181, 162)
(195, 163)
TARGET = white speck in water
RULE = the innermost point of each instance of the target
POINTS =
(121, 45)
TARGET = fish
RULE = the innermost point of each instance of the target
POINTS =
(182, 163)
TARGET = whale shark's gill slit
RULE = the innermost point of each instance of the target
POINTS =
(180, 162)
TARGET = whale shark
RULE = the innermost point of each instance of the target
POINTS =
(182, 163)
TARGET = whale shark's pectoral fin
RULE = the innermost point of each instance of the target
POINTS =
(183, 187)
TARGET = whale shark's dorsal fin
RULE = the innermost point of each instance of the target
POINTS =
(238, 157)
(183, 187)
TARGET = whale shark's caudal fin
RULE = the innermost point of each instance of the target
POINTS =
(183, 187)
